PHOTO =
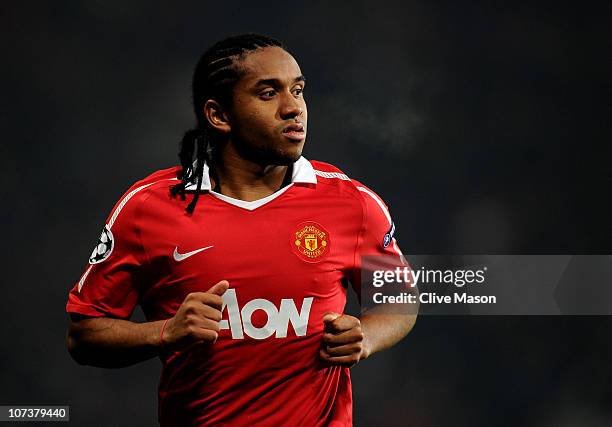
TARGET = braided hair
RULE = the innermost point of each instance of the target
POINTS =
(215, 75)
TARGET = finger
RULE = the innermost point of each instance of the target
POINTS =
(339, 360)
(344, 350)
(219, 288)
(348, 337)
(330, 317)
(196, 300)
(206, 335)
(211, 313)
(207, 307)
(198, 324)
(342, 323)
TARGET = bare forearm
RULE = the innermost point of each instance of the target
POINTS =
(113, 343)
(383, 330)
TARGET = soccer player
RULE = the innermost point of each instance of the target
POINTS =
(240, 259)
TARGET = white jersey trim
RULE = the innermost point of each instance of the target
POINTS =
(385, 211)
(253, 204)
(377, 200)
(337, 175)
(114, 216)
(127, 199)
(303, 172)
(83, 277)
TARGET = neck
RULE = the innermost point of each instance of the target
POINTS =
(246, 180)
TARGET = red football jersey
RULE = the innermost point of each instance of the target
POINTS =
(287, 257)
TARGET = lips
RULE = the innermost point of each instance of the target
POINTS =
(294, 131)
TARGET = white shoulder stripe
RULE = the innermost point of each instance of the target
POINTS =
(380, 203)
(386, 212)
(332, 175)
(113, 218)
(127, 199)
(83, 277)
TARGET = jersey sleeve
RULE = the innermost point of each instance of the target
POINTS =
(114, 278)
(377, 248)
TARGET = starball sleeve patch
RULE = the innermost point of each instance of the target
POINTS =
(389, 236)
(310, 242)
(104, 247)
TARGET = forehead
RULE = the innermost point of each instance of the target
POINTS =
(269, 63)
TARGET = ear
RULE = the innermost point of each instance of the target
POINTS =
(216, 116)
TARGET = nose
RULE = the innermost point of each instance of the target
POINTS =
(291, 108)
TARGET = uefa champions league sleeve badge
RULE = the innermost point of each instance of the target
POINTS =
(104, 247)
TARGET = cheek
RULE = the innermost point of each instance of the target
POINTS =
(255, 122)
(261, 120)
(246, 117)
(254, 119)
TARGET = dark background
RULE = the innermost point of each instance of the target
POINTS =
(484, 126)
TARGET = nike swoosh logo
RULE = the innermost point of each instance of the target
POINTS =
(182, 257)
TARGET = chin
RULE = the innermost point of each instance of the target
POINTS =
(280, 153)
(287, 157)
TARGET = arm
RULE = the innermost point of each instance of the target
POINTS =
(113, 343)
(385, 324)
(382, 331)
(348, 339)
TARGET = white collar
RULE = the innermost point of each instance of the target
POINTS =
(303, 173)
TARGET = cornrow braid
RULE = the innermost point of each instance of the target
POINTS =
(194, 141)
(215, 75)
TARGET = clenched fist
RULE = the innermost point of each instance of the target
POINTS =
(343, 340)
(197, 319)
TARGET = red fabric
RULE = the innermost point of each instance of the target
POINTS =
(264, 369)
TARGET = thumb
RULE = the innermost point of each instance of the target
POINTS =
(219, 288)
(330, 317)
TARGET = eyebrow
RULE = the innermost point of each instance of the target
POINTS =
(276, 82)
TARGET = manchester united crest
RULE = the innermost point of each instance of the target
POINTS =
(310, 241)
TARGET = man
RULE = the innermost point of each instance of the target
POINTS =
(240, 260)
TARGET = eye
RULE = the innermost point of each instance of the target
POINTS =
(298, 91)
(267, 94)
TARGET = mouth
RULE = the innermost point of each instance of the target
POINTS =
(295, 132)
